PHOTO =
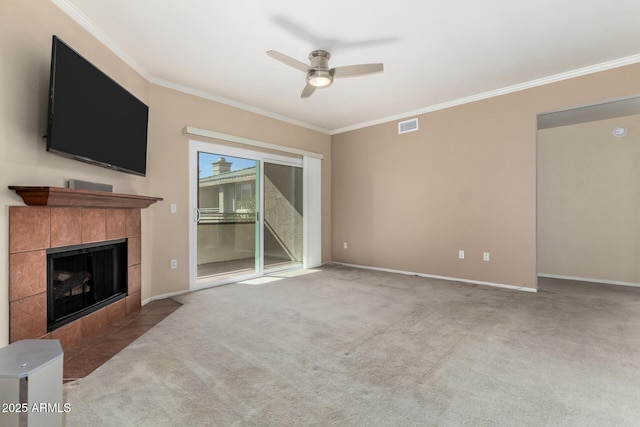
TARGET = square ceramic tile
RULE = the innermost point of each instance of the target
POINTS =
(116, 224)
(134, 279)
(66, 227)
(27, 274)
(134, 250)
(116, 311)
(134, 302)
(69, 334)
(133, 225)
(28, 318)
(93, 225)
(93, 323)
(28, 228)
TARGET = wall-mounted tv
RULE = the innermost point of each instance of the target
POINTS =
(91, 117)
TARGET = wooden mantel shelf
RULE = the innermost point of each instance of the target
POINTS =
(67, 197)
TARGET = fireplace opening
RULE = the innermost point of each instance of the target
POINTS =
(84, 278)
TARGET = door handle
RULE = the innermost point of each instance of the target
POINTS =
(196, 215)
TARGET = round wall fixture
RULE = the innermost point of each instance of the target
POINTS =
(620, 131)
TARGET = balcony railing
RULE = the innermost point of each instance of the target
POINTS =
(214, 216)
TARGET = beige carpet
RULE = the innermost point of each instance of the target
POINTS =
(349, 347)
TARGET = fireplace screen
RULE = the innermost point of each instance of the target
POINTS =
(84, 278)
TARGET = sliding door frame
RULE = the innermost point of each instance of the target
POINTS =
(218, 147)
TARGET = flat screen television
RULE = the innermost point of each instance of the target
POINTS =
(91, 117)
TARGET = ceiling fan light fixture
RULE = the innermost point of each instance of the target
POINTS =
(318, 73)
(319, 78)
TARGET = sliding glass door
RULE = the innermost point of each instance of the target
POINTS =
(283, 216)
(227, 224)
(248, 214)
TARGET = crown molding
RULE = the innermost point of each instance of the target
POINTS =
(95, 31)
(236, 104)
(616, 63)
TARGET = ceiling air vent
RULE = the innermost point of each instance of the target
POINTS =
(410, 125)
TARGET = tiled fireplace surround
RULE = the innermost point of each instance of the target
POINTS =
(33, 230)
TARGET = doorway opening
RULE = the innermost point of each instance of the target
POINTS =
(588, 193)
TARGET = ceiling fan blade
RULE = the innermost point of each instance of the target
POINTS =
(357, 70)
(288, 60)
(299, 31)
(307, 91)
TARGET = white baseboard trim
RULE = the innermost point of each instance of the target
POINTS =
(587, 279)
(163, 296)
(432, 276)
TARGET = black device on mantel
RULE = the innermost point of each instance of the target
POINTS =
(91, 117)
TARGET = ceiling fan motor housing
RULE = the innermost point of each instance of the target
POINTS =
(319, 75)
(319, 59)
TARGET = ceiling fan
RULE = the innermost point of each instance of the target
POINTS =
(319, 75)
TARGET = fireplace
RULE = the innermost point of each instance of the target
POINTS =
(57, 220)
(84, 278)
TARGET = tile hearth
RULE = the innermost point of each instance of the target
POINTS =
(89, 354)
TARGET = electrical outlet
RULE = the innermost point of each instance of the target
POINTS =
(461, 254)
(174, 208)
(485, 256)
(174, 264)
(344, 245)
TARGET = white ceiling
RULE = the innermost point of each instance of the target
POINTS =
(435, 53)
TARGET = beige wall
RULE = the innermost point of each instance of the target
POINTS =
(589, 201)
(465, 181)
(26, 28)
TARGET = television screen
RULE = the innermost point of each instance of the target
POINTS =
(91, 117)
